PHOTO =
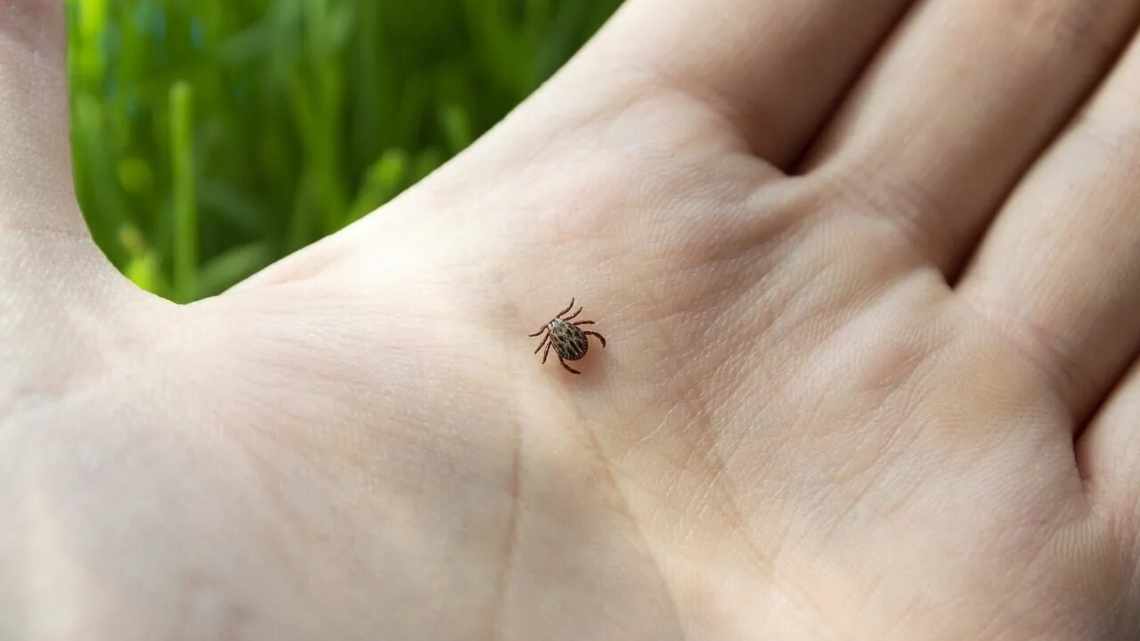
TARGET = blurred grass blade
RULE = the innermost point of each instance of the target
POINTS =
(142, 265)
(456, 127)
(185, 205)
(427, 161)
(232, 266)
(385, 179)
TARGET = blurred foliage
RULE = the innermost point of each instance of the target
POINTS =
(212, 137)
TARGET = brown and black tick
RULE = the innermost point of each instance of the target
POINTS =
(568, 339)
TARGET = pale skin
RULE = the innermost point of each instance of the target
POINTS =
(870, 286)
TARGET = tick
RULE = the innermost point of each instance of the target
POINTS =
(568, 339)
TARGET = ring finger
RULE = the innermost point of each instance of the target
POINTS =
(1059, 267)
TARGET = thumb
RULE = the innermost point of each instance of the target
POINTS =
(54, 281)
(36, 192)
(44, 242)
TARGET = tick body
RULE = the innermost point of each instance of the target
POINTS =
(569, 340)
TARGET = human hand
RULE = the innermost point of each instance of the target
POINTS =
(869, 333)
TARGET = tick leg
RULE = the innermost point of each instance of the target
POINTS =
(546, 353)
(545, 340)
(568, 368)
(583, 323)
(568, 308)
(544, 328)
(600, 337)
(568, 318)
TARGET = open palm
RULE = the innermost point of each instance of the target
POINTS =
(868, 279)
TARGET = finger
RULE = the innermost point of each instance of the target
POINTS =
(1061, 264)
(1108, 454)
(957, 107)
(35, 169)
(774, 69)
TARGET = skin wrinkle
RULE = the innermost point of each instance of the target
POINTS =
(510, 541)
(350, 388)
(1109, 590)
(695, 241)
(652, 77)
(273, 500)
(871, 474)
(745, 435)
(1044, 351)
(911, 209)
(504, 580)
(679, 315)
(702, 404)
(113, 349)
(446, 472)
(729, 511)
(698, 451)
(708, 136)
(766, 562)
(265, 467)
(784, 365)
(70, 392)
(1022, 573)
(712, 254)
(920, 360)
(695, 452)
(986, 631)
(763, 561)
(822, 346)
(758, 559)
(1123, 537)
(916, 617)
(895, 448)
(644, 543)
(647, 438)
(612, 468)
(856, 293)
(772, 230)
(1004, 603)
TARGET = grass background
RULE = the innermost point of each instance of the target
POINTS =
(212, 137)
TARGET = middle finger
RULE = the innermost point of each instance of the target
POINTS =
(959, 104)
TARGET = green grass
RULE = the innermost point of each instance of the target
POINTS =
(213, 137)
